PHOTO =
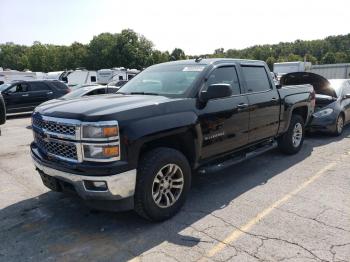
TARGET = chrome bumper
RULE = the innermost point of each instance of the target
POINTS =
(119, 186)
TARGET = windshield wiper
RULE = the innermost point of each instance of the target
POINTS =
(144, 93)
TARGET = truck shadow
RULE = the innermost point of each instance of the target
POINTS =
(54, 226)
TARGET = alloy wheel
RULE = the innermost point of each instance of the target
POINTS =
(167, 185)
(297, 134)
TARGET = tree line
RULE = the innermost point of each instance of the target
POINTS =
(132, 50)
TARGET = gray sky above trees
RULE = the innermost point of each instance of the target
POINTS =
(196, 26)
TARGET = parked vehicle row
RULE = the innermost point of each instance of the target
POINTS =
(85, 91)
(332, 108)
(72, 78)
(140, 147)
(24, 96)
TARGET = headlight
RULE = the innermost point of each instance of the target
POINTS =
(108, 152)
(106, 131)
(324, 112)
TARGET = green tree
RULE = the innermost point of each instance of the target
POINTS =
(329, 58)
(100, 51)
(311, 58)
(177, 54)
(341, 57)
(270, 61)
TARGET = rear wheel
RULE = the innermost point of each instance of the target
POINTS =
(292, 141)
(339, 125)
(163, 182)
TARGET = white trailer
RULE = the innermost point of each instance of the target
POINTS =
(56, 75)
(81, 77)
(40, 75)
(105, 76)
(332, 71)
(13, 75)
(290, 67)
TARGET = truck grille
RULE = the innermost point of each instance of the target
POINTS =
(54, 127)
(57, 148)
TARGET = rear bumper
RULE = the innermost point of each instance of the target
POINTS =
(119, 186)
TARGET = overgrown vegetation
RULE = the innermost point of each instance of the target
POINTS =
(131, 50)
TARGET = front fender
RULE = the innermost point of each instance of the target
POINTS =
(159, 124)
(142, 131)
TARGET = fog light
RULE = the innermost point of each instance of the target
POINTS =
(95, 185)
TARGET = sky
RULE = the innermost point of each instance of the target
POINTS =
(197, 27)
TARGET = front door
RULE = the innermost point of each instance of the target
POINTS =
(224, 121)
(17, 98)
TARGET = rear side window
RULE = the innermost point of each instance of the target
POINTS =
(256, 78)
(112, 90)
(225, 75)
(99, 91)
(58, 85)
(39, 86)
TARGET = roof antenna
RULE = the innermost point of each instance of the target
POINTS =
(198, 59)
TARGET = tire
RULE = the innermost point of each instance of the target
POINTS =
(153, 169)
(339, 125)
(296, 133)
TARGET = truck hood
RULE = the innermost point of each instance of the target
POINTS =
(321, 85)
(102, 108)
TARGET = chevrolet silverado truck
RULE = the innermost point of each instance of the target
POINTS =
(137, 149)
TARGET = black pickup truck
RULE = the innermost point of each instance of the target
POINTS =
(139, 148)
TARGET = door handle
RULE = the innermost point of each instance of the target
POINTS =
(26, 95)
(49, 93)
(242, 106)
(274, 99)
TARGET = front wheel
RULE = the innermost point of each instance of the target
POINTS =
(292, 141)
(163, 182)
(339, 125)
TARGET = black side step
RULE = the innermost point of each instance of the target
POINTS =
(237, 158)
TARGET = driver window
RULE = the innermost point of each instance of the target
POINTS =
(19, 88)
(225, 75)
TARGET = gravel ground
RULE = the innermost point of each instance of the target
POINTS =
(271, 208)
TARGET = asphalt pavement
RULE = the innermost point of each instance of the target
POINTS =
(270, 208)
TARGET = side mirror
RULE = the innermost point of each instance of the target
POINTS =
(278, 86)
(215, 91)
(347, 96)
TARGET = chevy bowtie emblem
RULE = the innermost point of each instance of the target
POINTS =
(46, 138)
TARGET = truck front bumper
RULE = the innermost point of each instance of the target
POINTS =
(115, 187)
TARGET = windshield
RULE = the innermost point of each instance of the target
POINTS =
(168, 80)
(4, 86)
(337, 85)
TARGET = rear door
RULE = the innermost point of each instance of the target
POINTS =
(264, 102)
(224, 121)
(39, 93)
(17, 98)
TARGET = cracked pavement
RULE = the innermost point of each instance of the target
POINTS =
(311, 225)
